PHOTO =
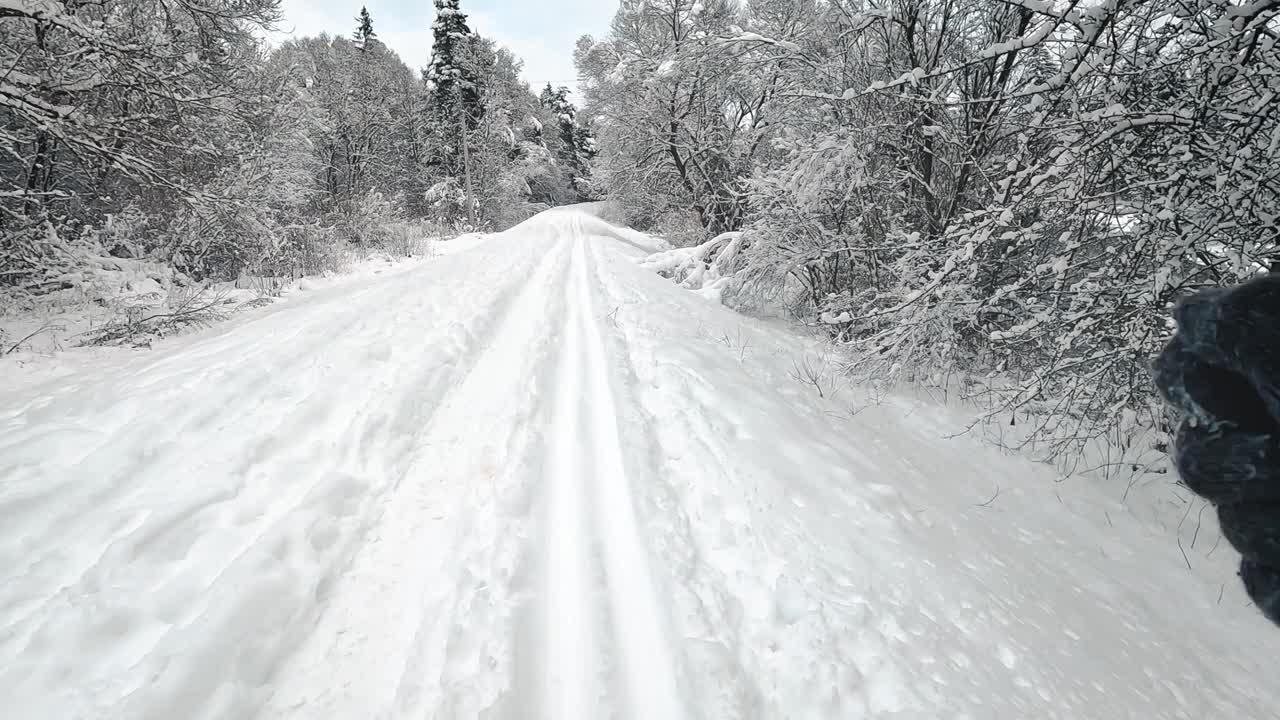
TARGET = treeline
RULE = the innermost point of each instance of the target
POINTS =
(1011, 191)
(171, 131)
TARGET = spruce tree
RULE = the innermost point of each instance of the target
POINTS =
(452, 73)
(364, 32)
(574, 143)
(455, 108)
(547, 97)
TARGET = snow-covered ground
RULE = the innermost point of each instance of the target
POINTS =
(533, 479)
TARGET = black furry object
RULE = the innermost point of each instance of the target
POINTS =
(1237, 330)
(1222, 373)
(1262, 582)
(1209, 394)
(1251, 531)
(1228, 465)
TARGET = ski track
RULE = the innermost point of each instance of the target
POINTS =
(647, 664)
(568, 624)
(532, 480)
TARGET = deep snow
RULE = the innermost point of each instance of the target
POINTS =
(534, 479)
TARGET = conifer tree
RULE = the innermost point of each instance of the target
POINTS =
(364, 32)
(454, 92)
(452, 74)
(574, 144)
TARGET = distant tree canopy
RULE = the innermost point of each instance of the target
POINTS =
(170, 131)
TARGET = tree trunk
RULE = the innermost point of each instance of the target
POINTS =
(466, 159)
(37, 174)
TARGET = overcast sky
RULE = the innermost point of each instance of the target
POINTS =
(540, 32)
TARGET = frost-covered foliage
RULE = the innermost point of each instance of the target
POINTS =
(109, 106)
(708, 268)
(570, 139)
(488, 147)
(169, 132)
(1014, 190)
(681, 110)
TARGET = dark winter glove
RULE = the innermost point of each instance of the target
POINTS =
(1222, 373)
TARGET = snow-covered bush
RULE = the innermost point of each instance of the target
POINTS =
(406, 239)
(306, 250)
(33, 255)
(682, 111)
(110, 105)
(138, 323)
(708, 268)
(1052, 251)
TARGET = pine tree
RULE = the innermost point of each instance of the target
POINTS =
(584, 142)
(574, 143)
(566, 115)
(364, 32)
(547, 97)
(458, 59)
(452, 73)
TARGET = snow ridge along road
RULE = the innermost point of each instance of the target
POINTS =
(532, 480)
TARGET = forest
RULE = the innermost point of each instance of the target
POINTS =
(174, 132)
(1002, 197)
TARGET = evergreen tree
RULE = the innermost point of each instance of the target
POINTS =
(547, 97)
(364, 32)
(452, 74)
(566, 116)
(455, 105)
(573, 143)
(584, 142)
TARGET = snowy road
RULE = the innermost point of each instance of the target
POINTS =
(532, 480)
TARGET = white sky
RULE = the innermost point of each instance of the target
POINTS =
(540, 32)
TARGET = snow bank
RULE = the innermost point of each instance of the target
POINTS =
(461, 243)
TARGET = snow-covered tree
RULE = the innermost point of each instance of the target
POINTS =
(364, 28)
(680, 119)
(369, 138)
(111, 103)
(1016, 190)
(516, 173)
(459, 59)
(572, 143)
(452, 73)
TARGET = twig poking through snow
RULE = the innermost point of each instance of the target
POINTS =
(803, 371)
(43, 328)
(987, 504)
